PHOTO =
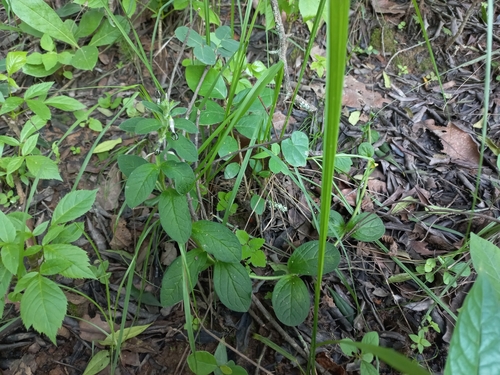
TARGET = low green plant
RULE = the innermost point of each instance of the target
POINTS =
(42, 302)
(450, 268)
(419, 340)
(363, 357)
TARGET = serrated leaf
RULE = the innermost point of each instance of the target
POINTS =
(181, 173)
(304, 260)
(201, 362)
(39, 89)
(54, 266)
(175, 217)
(65, 103)
(296, 149)
(476, 337)
(291, 300)
(172, 285)
(39, 108)
(233, 286)
(40, 16)
(78, 258)
(42, 167)
(140, 184)
(43, 306)
(11, 254)
(367, 227)
(73, 205)
(217, 240)
(98, 363)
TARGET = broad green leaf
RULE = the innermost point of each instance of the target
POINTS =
(193, 38)
(98, 363)
(193, 77)
(336, 225)
(221, 353)
(343, 164)
(367, 368)
(14, 164)
(247, 124)
(130, 124)
(73, 205)
(108, 33)
(172, 285)
(39, 70)
(366, 149)
(11, 256)
(40, 16)
(14, 61)
(129, 6)
(128, 163)
(212, 114)
(185, 124)
(231, 171)
(128, 333)
(181, 173)
(52, 233)
(233, 286)
(10, 104)
(296, 149)
(107, 145)
(39, 108)
(291, 300)
(29, 145)
(218, 240)
(70, 233)
(205, 54)
(43, 306)
(42, 167)
(140, 184)
(486, 259)
(85, 58)
(175, 217)
(65, 103)
(201, 362)
(5, 278)
(309, 8)
(39, 89)
(304, 260)
(7, 229)
(367, 227)
(146, 126)
(9, 140)
(54, 266)
(89, 22)
(228, 146)
(47, 43)
(77, 257)
(49, 60)
(184, 148)
(476, 337)
(258, 204)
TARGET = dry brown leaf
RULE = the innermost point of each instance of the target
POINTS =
(91, 329)
(122, 238)
(357, 96)
(110, 190)
(389, 7)
(457, 144)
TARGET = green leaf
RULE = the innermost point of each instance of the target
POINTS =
(296, 149)
(181, 173)
(291, 300)
(231, 171)
(233, 286)
(217, 240)
(43, 306)
(77, 257)
(89, 22)
(175, 217)
(130, 124)
(343, 164)
(40, 16)
(107, 145)
(247, 124)
(258, 204)
(193, 77)
(98, 363)
(366, 149)
(11, 255)
(486, 258)
(85, 58)
(42, 167)
(201, 362)
(49, 60)
(367, 227)
(172, 285)
(39, 108)
(39, 89)
(108, 33)
(29, 144)
(65, 103)
(73, 205)
(10, 104)
(205, 54)
(140, 184)
(304, 260)
(14, 61)
(367, 368)
(309, 8)
(128, 163)
(54, 266)
(193, 39)
(128, 333)
(148, 125)
(336, 225)
(7, 229)
(39, 70)
(185, 124)
(476, 337)
(47, 43)
(212, 114)
(5, 278)
(184, 148)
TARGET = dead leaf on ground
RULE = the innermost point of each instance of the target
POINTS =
(356, 95)
(91, 329)
(110, 190)
(122, 238)
(389, 7)
(457, 144)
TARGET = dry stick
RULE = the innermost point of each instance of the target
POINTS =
(282, 48)
(462, 26)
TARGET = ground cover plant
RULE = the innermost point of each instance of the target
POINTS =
(182, 191)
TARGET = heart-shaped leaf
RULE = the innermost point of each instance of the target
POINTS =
(296, 149)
